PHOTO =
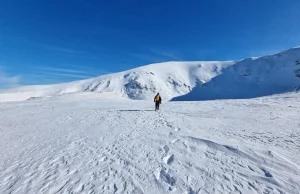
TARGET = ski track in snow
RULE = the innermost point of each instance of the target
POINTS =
(73, 145)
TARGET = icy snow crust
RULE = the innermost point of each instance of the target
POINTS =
(88, 143)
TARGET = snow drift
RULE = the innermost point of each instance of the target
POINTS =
(201, 80)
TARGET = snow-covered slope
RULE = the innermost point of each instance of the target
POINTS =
(253, 77)
(171, 79)
(202, 80)
(82, 143)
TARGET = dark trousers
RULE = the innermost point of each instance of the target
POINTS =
(156, 105)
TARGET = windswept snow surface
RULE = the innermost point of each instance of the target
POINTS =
(87, 143)
(186, 81)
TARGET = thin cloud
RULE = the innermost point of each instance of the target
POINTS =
(63, 74)
(259, 53)
(79, 70)
(40, 78)
(145, 57)
(65, 70)
(166, 55)
(7, 81)
(154, 56)
(69, 75)
(50, 47)
(60, 74)
(93, 71)
(63, 50)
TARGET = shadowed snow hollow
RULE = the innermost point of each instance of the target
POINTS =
(202, 80)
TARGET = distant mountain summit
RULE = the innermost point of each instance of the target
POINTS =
(200, 80)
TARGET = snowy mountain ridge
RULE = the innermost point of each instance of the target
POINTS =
(200, 80)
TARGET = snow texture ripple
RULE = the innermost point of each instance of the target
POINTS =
(84, 143)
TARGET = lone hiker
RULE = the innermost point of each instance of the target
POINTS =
(157, 100)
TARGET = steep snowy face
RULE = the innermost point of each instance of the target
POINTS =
(253, 77)
(201, 80)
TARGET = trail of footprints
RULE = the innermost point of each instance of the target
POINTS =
(104, 166)
(165, 173)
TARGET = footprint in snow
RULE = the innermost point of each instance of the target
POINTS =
(166, 177)
(166, 149)
(169, 159)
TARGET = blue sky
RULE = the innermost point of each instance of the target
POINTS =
(54, 41)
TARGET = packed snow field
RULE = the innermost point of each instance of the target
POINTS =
(85, 143)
